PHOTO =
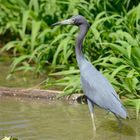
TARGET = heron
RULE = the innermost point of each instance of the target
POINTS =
(95, 85)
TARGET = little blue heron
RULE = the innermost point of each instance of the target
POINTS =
(96, 87)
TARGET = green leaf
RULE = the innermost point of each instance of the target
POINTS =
(35, 31)
(134, 103)
(18, 61)
(26, 15)
(67, 72)
(114, 73)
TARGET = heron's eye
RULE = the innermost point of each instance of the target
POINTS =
(75, 21)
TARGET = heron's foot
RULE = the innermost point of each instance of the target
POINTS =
(94, 129)
(119, 123)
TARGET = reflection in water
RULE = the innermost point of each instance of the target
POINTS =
(19, 79)
(40, 120)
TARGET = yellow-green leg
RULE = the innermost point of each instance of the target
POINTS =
(93, 122)
(91, 109)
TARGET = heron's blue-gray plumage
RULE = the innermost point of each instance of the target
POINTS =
(98, 90)
(95, 86)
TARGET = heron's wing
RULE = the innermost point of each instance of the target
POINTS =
(94, 79)
(98, 89)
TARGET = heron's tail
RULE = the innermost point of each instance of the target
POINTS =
(122, 112)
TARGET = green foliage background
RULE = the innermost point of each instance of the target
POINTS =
(112, 44)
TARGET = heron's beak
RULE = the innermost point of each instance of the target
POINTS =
(65, 22)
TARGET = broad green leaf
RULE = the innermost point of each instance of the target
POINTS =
(18, 61)
(26, 15)
(35, 31)
(66, 72)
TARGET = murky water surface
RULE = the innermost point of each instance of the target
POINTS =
(28, 119)
(32, 119)
(19, 79)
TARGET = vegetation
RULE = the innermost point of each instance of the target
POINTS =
(112, 44)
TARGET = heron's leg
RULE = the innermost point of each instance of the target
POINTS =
(91, 109)
(119, 121)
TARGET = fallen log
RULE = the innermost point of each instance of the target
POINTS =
(38, 93)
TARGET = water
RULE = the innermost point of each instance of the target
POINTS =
(18, 79)
(32, 119)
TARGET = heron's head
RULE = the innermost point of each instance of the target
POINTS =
(75, 20)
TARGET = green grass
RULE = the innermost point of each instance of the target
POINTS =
(112, 43)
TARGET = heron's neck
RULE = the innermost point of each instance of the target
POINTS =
(79, 41)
